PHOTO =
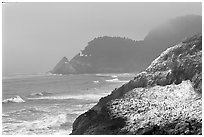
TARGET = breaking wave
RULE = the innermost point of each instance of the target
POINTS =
(39, 94)
(48, 124)
(116, 80)
(96, 82)
(117, 75)
(114, 76)
(106, 75)
(51, 74)
(16, 99)
(94, 97)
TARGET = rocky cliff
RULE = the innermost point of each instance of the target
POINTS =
(166, 98)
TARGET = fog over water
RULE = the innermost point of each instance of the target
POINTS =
(37, 35)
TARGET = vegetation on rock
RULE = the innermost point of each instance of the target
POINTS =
(156, 101)
(116, 54)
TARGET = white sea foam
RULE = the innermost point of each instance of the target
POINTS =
(51, 74)
(114, 76)
(5, 115)
(16, 99)
(49, 124)
(29, 111)
(63, 97)
(116, 80)
(103, 75)
(107, 75)
(96, 81)
(40, 94)
(126, 74)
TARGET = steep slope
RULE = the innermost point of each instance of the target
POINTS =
(116, 54)
(156, 101)
(63, 67)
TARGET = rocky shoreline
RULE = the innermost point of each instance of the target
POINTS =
(166, 98)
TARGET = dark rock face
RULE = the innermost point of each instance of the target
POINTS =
(63, 67)
(177, 103)
(102, 123)
(116, 54)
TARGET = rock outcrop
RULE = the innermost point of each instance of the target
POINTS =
(166, 98)
(115, 54)
(63, 67)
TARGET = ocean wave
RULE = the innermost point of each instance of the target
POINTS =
(26, 114)
(27, 111)
(103, 75)
(116, 80)
(79, 109)
(51, 74)
(107, 75)
(115, 75)
(96, 82)
(5, 115)
(16, 99)
(126, 74)
(64, 97)
(39, 94)
(23, 75)
(48, 124)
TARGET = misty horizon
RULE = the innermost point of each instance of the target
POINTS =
(102, 68)
(37, 35)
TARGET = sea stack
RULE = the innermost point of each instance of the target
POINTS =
(63, 67)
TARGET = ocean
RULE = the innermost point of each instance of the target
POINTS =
(46, 104)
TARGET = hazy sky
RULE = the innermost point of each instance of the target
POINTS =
(37, 35)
